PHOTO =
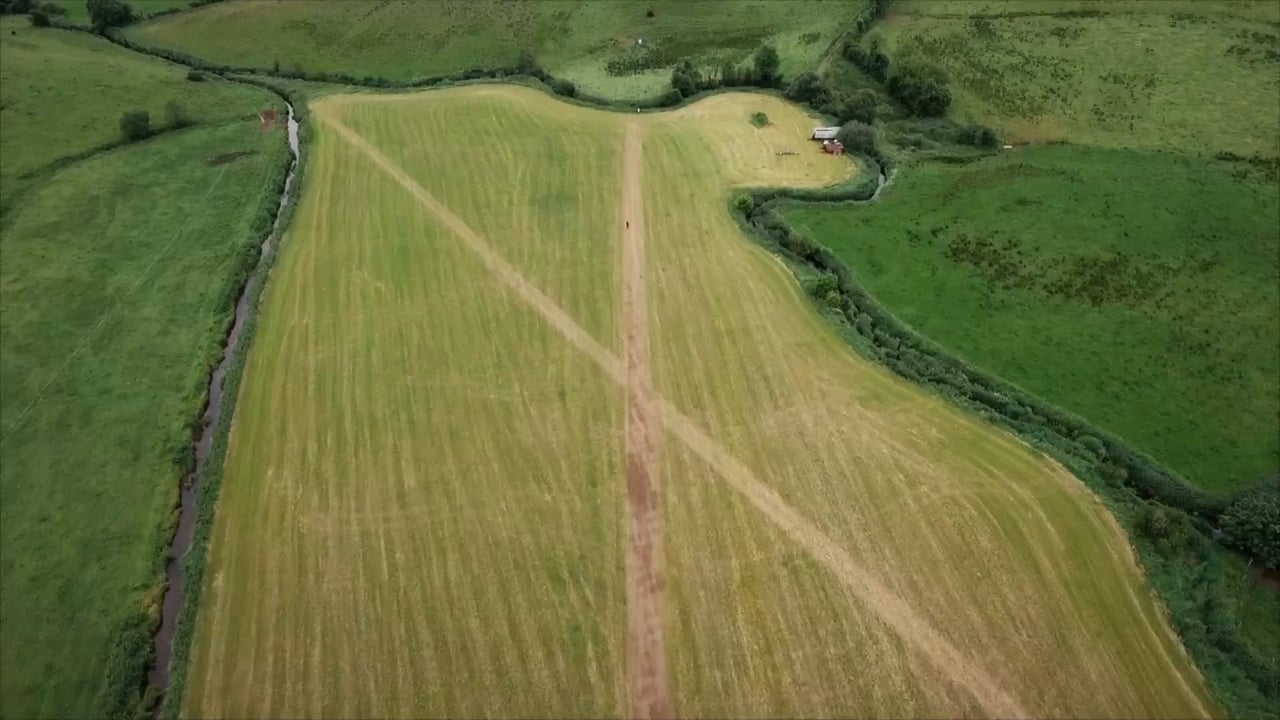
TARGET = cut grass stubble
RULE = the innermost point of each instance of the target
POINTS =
(855, 521)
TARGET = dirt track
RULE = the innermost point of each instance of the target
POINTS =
(647, 685)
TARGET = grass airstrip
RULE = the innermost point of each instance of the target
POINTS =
(529, 428)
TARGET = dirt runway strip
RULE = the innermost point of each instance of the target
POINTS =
(894, 611)
(647, 685)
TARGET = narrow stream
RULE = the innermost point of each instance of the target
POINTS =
(175, 592)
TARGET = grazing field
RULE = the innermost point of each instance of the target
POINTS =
(1200, 76)
(1157, 272)
(528, 428)
(77, 11)
(62, 93)
(576, 40)
(116, 277)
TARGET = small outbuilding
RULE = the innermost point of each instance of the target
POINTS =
(825, 133)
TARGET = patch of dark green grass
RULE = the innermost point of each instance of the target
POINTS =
(1138, 290)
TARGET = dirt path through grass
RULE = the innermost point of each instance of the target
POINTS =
(647, 685)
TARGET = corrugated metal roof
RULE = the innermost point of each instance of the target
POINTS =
(825, 133)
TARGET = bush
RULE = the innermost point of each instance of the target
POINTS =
(564, 87)
(807, 87)
(16, 7)
(53, 10)
(858, 137)
(766, 65)
(175, 115)
(861, 106)
(921, 87)
(105, 14)
(1252, 523)
(759, 119)
(135, 125)
(39, 18)
(195, 76)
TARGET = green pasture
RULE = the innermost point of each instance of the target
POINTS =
(62, 93)
(1190, 76)
(576, 40)
(1138, 290)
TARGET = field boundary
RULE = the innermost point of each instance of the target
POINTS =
(254, 285)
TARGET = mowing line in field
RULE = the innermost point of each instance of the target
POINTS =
(895, 612)
(647, 685)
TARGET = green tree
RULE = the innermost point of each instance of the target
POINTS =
(1252, 523)
(920, 86)
(861, 106)
(807, 87)
(766, 66)
(135, 125)
(858, 137)
(39, 17)
(105, 14)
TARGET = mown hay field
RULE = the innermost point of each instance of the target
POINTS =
(530, 429)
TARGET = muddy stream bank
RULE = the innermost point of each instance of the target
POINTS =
(175, 577)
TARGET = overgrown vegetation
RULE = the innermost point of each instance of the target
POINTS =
(1187, 76)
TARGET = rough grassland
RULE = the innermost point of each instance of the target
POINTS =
(425, 506)
(407, 39)
(1144, 266)
(115, 280)
(1188, 76)
(62, 93)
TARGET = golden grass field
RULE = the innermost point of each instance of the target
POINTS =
(530, 429)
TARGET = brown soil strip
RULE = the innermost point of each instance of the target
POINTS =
(647, 685)
(914, 630)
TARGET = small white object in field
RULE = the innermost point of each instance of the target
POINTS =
(1008, 147)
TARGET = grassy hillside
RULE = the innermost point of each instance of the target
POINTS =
(78, 11)
(1199, 76)
(1138, 290)
(62, 93)
(403, 39)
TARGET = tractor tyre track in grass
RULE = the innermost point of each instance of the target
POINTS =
(913, 629)
(647, 684)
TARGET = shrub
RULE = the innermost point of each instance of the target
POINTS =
(858, 137)
(685, 79)
(175, 115)
(807, 87)
(16, 7)
(105, 14)
(920, 86)
(564, 87)
(766, 65)
(759, 119)
(39, 18)
(135, 125)
(861, 106)
(1252, 523)
(195, 76)
(53, 10)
